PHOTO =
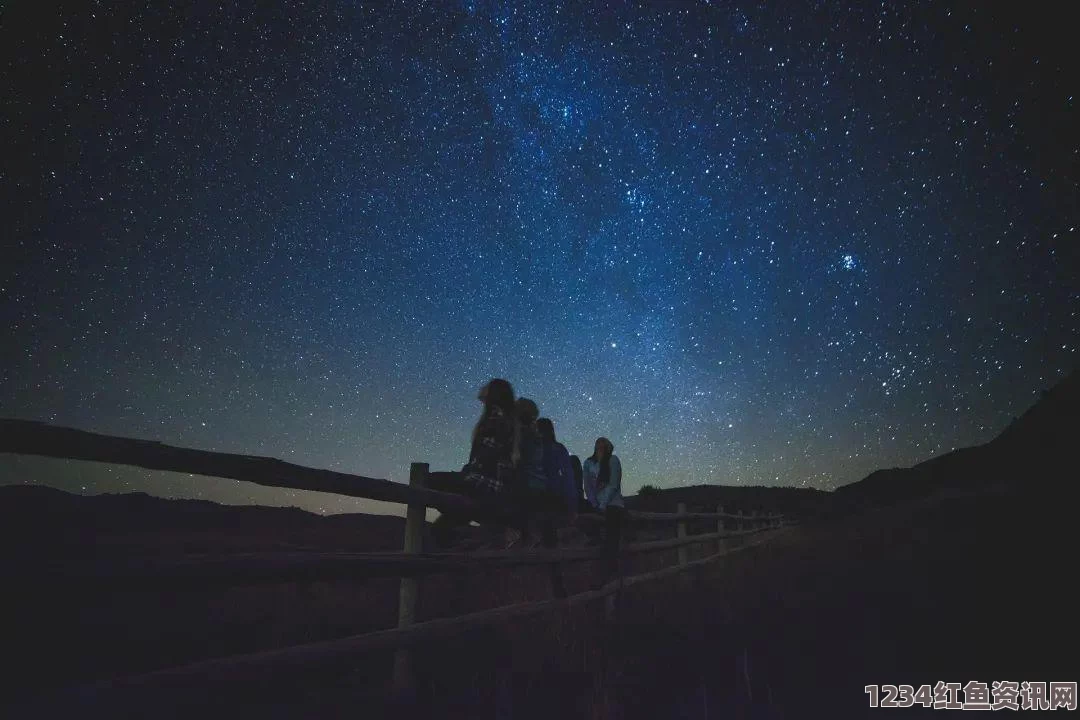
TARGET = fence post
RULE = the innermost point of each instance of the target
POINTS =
(414, 535)
(738, 524)
(558, 587)
(720, 529)
(682, 534)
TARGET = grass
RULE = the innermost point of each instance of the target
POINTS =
(952, 588)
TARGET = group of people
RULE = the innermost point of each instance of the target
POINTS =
(531, 478)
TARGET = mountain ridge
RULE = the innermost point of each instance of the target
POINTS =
(1029, 454)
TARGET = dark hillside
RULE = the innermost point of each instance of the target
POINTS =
(35, 519)
(1036, 451)
(797, 503)
(953, 587)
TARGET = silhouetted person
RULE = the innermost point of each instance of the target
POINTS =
(530, 481)
(490, 467)
(602, 473)
(489, 471)
(558, 469)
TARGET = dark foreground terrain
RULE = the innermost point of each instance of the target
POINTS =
(955, 570)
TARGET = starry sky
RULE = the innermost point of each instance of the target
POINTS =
(753, 244)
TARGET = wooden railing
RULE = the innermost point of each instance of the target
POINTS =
(732, 532)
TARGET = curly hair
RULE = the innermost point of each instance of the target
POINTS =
(496, 393)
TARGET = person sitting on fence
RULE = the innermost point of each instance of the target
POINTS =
(593, 530)
(602, 473)
(489, 472)
(531, 493)
(558, 472)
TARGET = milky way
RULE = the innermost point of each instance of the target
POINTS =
(751, 245)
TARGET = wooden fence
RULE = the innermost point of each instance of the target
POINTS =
(32, 438)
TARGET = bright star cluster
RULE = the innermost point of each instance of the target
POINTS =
(751, 244)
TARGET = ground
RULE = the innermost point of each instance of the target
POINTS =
(958, 585)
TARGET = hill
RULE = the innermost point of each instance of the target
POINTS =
(54, 521)
(798, 503)
(1035, 452)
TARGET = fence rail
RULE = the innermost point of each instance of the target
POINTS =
(33, 438)
(271, 567)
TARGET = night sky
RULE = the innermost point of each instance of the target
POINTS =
(752, 245)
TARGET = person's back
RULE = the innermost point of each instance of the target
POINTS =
(559, 474)
(531, 473)
(489, 470)
(558, 469)
(530, 481)
(488, 473)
